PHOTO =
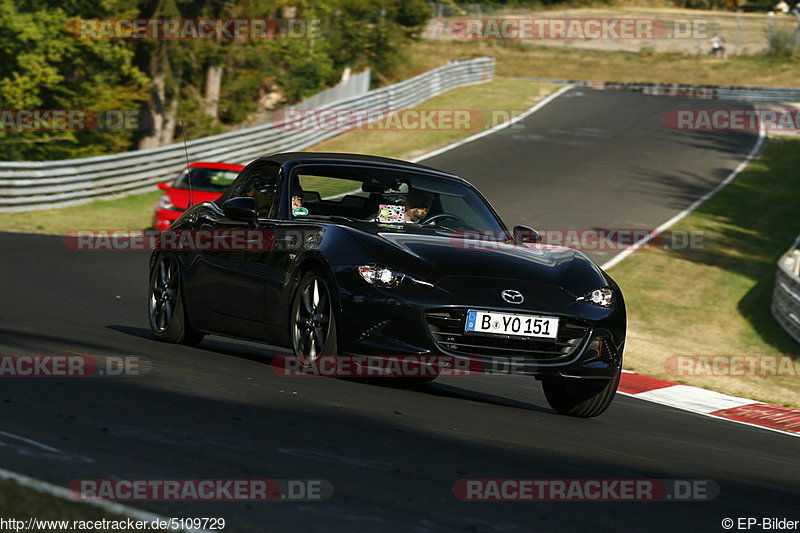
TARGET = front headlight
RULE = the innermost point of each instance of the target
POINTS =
(164, 203)
(386, 277)
(602, 297)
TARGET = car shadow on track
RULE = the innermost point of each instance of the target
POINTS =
(252, 351)
(263, 353)
(441, 389)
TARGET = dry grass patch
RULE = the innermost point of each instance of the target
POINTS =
(716, 301)
(493, 102)
(515, 60)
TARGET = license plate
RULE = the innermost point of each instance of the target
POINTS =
(543, 327)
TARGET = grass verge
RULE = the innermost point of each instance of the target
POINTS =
(516, 60)
(716, 300)
(23, 503)
(490, 103)
(131, 212)
(136, 212)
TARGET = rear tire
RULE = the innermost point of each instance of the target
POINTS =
(583, 398)
(166, 312)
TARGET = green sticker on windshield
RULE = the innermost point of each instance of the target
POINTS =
(299, 211)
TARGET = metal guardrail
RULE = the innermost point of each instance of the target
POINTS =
(356, 85)
(718, 92)
(28, 186)
(786, 297)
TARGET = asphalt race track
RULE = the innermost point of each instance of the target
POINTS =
(597, 160)
(589, 159)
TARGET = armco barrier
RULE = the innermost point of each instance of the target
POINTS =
(27, 186)
(786, 297)
(719, 92)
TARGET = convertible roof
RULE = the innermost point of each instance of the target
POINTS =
(332, 157)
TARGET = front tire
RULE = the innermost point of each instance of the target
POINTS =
(168, 321)
(313, 319)
(583, 398)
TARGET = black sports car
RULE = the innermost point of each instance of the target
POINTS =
(373, 256)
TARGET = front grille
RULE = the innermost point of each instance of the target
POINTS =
(447, 328)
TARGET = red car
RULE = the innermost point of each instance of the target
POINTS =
(209, 181)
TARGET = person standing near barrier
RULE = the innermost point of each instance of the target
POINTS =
(717, 45)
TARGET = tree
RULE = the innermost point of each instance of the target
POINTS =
(209, 84)
(44, 66)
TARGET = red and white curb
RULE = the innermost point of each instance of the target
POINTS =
(709, 403)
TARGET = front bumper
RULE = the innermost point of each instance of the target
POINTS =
(377, 322)
(162, 218)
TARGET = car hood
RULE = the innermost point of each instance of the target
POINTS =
(436, 256)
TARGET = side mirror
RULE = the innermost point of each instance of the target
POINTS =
(243, 208)
(524, 234)
(164, 185)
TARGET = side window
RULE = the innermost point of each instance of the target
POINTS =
(259, 181)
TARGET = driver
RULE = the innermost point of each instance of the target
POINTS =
(417, 204)
(298, 205)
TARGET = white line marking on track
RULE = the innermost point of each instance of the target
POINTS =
(500, 126)
(38, 449)
(644, 240)
(26, 440)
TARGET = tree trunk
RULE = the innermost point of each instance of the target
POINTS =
(213, 90)
(154, 119)
(168, 130)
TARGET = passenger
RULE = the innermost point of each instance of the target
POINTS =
(417, 204)
(413, 210)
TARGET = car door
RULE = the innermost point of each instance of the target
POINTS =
(238, 279)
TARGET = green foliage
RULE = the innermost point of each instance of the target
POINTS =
(361, 33)
(43, 66)
(783, 42)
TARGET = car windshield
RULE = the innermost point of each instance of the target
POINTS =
(390, 198)
(206, 179)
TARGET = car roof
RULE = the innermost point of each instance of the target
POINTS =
(356, 159)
